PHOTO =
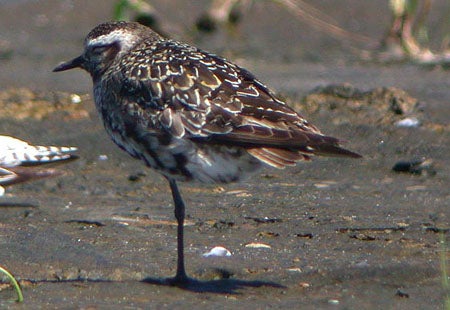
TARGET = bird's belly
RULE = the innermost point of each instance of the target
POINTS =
(180, 158)
(221, 164)
(184, 160)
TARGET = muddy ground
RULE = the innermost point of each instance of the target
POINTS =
(343, 234)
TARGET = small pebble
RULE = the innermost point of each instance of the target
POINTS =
(294, 269)
(264, 220)
(136, 176)
(322, 185)
(333, 302)
(74, 98)
(362, 264)
(415, 188)
(420, 167)
(256, 245)
(408, 122)
(401, 294)
(102, 157)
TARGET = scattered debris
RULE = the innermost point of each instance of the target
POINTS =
(217, 251)
(415, 188)
(86, 222)
(270, 176)
(257, 270)
(23, 103)
(437, 230)
(333, 302)
(218, 189)
(363, 237)
(74, 98)
(384, 106)
(419, 167)
(304, 284)
(408, 122)
(294, 269)
(362, 264)
(269, 234)
(321, 185)
(349, 218)
(401, 294)
(304, 235)
(402, 224)
(136, 176)
(325, 184)
(145, 220)
(257, 245)
(239, 193)
(373, 229)
(264, 220)
(221, 224)
(102, 157)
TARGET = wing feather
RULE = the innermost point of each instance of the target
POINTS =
(200, 96)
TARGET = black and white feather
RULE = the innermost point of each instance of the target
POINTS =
(16, 154)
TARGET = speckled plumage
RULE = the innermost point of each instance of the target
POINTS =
(190, 114)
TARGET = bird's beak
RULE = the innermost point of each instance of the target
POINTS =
(71, 64)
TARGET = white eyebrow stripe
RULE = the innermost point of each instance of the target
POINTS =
(126, 39)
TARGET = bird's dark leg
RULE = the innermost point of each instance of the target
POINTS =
(181, 276)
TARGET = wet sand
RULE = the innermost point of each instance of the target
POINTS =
(342, 233)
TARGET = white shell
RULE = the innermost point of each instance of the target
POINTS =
(217, 251)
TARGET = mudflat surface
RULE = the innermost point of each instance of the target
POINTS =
(344, 234)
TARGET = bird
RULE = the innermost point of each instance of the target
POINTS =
(16, 155)
(189, 114)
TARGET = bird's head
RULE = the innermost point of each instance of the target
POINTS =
(106, 43)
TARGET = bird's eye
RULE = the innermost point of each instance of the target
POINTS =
(99, 49)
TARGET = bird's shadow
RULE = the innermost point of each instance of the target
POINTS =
(17, 204)
(221, 286)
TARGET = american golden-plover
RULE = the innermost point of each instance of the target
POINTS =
(189, 114)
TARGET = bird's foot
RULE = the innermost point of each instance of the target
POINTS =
(181, 280)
